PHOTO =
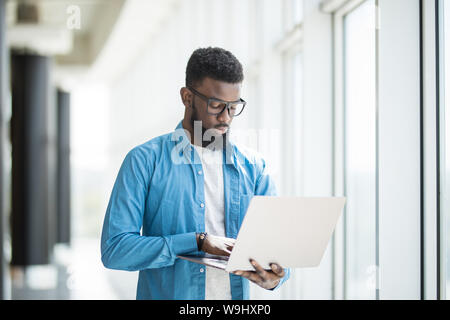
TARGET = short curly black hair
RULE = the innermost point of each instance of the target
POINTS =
(216, 63)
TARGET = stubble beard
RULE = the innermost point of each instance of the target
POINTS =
(208, 137)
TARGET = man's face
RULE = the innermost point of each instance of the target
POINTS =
(219, 90)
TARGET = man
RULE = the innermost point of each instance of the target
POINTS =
(189, 191)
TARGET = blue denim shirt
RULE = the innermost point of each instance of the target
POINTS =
(160, 188)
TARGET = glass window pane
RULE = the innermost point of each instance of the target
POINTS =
(360, 151)
(445, 149)
(292, 13)
(297, 11)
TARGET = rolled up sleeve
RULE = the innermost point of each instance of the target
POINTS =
(122, 246)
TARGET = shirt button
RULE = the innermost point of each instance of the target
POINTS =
(202, 270)
(202, 205)
(200, 172)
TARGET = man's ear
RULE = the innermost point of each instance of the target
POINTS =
(186, 97)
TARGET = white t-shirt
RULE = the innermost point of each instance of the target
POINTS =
(217, 281)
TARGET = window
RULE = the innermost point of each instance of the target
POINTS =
(293, 13)
(445, 150)
(360, 150)
(377, 149)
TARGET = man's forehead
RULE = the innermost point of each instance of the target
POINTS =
(220, 89)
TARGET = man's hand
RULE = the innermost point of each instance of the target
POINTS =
(267, 279)
(218, 245)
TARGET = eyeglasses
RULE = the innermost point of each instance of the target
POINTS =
(215, 106)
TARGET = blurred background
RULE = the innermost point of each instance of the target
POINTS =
(345, 97)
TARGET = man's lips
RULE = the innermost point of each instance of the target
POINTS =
(222, 128)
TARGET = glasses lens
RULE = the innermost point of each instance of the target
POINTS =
(216, 107)
(236, 109)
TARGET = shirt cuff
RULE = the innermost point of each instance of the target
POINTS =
(282, 280)
(184, 243)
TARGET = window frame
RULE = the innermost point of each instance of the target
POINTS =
(430, 243)
(440, 130)
(339, 238)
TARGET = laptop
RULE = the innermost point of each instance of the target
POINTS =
(291, 231)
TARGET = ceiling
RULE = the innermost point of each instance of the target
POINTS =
(96, 21)
(111, 33)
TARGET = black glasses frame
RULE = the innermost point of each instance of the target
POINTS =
(227, 103)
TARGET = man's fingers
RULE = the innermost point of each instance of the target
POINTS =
(226, 240)
(277, 269)
(264, 278)
(229, 244)
(259, 270)
(250, 275)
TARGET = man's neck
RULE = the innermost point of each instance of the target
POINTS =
(196, 141)
(188, 127)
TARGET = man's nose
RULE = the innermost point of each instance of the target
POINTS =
(224, 116)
